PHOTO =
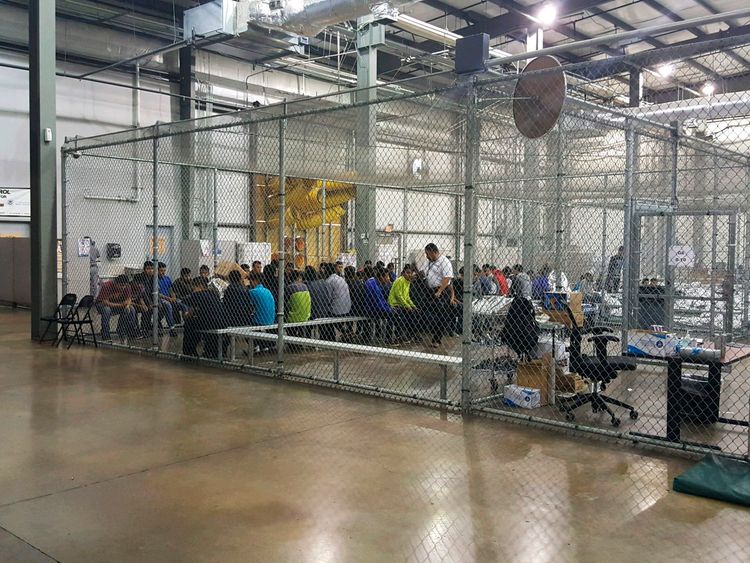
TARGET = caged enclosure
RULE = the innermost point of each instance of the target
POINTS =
(591, 274)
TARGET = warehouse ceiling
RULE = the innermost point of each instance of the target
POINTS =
(506, 22)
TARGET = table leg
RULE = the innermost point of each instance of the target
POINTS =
(444, 384)
(674, 391)
(552, 375)
(232, 347)
(250, 350)
(336, 366)
(220, 344)
(714, 389)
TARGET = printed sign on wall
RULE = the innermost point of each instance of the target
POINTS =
(15, 202)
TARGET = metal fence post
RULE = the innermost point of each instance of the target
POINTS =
(215, 233)
(559, 222)
(471, 171)
(629, 216)
(322, 243)
(728, 284)
(155, 243)
(669, 270)
(282, 247)
(64, 217)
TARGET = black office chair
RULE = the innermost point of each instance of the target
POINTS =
(599, 369)
(64, 310)
(80, 318)
(520, 330)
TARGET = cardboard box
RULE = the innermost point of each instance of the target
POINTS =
(570, 383)
(535, 375)
(554, 302)
(523, 397)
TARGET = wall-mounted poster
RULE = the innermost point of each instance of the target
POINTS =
(15, 203)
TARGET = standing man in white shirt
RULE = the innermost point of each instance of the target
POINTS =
(438, 273)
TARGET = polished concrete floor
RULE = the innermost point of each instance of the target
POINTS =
(111, 456)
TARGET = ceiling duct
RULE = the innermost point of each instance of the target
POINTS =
(310, 17)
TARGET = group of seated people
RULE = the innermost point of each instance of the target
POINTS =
(395, 308)
(131, 299)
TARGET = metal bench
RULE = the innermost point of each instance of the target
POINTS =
(338, 347)
(241, 331)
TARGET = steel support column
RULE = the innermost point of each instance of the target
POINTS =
(369, 37)
(185, 143)
(43, 158)
(472, 152)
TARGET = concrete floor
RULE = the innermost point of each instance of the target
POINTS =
(110, 456)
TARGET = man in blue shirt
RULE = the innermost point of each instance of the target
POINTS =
(263, 301)
(167, 301)
(377, 300)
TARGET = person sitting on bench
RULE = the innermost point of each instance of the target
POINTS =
(399, 298)
(205, 312)
(341, 301)
(237, 302)
(298, 302)
(320, 294)
(143, 288)
(263, 302)
(377, 304)
(116, 298)
(183, 286)
(167, 300)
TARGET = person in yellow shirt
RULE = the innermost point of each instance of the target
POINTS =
(405, 312)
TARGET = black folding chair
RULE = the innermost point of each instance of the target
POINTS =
(78, 322)
(64, 311)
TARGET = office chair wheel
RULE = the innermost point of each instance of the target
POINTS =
(634, 415)
(615, 422)
(570, 417)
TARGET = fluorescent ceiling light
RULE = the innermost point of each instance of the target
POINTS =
(665, 70)
(708, 89)
(547, 15)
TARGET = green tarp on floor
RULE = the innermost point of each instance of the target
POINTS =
(718, 478)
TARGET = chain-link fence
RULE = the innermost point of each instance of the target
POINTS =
(418, 246)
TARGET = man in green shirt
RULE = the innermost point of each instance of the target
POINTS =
(399, 298)
(298, 303)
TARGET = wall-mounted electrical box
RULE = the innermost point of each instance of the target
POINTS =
(114, 251)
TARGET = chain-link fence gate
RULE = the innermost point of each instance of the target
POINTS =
(417, 246)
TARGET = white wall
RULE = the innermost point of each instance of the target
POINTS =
(83, 108)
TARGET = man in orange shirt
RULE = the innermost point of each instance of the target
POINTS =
(502, 283)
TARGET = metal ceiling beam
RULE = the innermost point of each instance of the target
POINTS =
(448, 10)
(595, 70)
(711, 9)
(659, 7)
(513, 21)
(729, 85)
(617, 22)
